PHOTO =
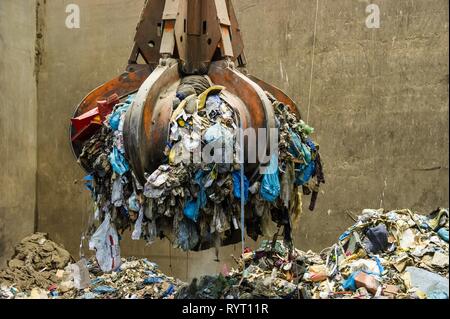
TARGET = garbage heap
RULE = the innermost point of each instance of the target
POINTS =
(270, 272)
(135, 279)
(42, 269)
(395, 255)
(196, 205)
(35, 264)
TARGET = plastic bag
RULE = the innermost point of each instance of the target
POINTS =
(118, 162)
(220, 222)
(376, 240)
(133, 203)
(237, 185)
(350, 283)
(428, 282)
(443, 233)
(105, 242)
(305, 172)
(152, 231)
(299, 149)
(80, 274)
(115, 119)
(270, 185)
(218, 134)
(213, 103)
(117, 197)
(137, 232)
(187, 236)
(192, 210)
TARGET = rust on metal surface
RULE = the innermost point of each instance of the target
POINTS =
(147, 40)
(146, 124)
(278, 94)
(256, 102)
(175, 38)
(123, 85)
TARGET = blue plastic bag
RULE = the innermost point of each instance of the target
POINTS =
(311, 144)
(169, 291)
(380, 266)
(118, 162)
(270, 185)
(89, 183)
(443, 233)
(305, 173)
(345, 235)
(437, 295)
(192, 210)
(133, 203)
(130, 99)
(237, 185)
(152, 280)
(201, 196)
(104, 290)
(350, 283)
(114, 120)
(298, 149)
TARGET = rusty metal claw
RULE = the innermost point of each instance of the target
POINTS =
(176, 38)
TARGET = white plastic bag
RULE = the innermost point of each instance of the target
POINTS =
(105, 242)
(136, 235)
(80, 274)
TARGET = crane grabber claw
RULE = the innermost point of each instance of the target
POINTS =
(177, 38)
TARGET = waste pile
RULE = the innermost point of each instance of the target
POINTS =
(42, 269)
(196, 204)
(270, 272)
(396, 255)
(134, 279)
(35, 264)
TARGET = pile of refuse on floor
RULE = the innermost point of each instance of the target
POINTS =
(135, 279)
(395, 255)
(197, 204)
(35, 264)
(41, 269)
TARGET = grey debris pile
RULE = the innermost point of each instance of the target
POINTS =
(385, 255)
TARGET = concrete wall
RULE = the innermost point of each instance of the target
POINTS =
(377, 98)
(18, 109)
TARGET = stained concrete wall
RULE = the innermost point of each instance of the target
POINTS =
(377, 98)
(18, 109)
